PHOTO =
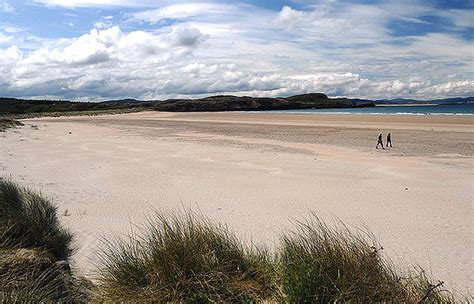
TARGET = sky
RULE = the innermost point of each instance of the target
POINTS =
(96, 50)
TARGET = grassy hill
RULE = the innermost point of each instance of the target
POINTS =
(234, 103)
(13, 106)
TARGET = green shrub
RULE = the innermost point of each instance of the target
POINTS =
(322, 264)
(186, 259)
(28, 220)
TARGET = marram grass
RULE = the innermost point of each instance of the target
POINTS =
(184, 258)
(334, 264)
(34, 248)
(28, 220)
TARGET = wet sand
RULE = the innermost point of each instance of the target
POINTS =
(257, 172)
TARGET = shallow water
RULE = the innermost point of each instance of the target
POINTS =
(463, 109)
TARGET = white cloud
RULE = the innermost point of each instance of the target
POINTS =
(450, 88)
(103, 60)
(290, 17)
(10, 55)
(181, 11)
(11, 29)
(6, 7)
(212, 48)
(92, 3)
(5, 38)
(102, 24)
(8, 59)
(461, 18)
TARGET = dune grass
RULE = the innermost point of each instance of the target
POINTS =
(28, 220)
(8, 122)
(34, 248)
(184, 258)
(32, 276)
(328, 264)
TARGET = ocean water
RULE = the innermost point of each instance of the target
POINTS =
(463, 109)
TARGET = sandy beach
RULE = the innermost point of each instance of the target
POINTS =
(256, 172)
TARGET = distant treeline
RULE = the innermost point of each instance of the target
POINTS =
(13, 106)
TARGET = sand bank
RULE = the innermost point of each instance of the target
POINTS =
(256, 172)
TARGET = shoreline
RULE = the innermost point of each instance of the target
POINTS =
(360, 113)
(407, 122)
(234, 116)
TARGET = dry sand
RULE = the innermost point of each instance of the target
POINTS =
(257, 172)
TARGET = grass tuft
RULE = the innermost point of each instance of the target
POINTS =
(29, 221)
(328, 264)
(184, 258)
(33, 251)
(7, 122)
(32, 276)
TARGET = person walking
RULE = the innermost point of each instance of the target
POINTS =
(379, 142)
(389, 140)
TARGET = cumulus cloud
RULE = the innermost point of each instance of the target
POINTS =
(92, 48)
(100, 46)
(184, 36)
(191, 49)
(100, 60)
(290, 17)
(10, 55)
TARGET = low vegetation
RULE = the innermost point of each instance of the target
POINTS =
(34, 276)
(7, 122)
(34, 249)
(29, 221)
(21, 108)
(246, 103)
(18, 107)
(332, 264)
(186, 259)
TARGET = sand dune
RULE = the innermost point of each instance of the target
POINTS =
(256, 172)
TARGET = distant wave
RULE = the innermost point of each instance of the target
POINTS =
(418, 110)
(364, 113)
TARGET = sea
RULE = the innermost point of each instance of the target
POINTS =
(428, 109)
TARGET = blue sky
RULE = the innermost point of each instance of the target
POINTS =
(150, 49)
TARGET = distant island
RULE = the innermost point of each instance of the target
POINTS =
(209, 104)
(14, 106)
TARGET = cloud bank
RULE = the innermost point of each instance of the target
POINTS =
(190, 49)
